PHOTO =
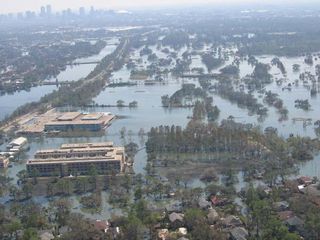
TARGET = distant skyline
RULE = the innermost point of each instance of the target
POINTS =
(14, 6)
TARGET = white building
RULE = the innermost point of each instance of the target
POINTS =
(17, 144)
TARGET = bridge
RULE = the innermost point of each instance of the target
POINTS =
(306, 121)
(300, 119)
(209, 75)
(56, 83)
(83, 63)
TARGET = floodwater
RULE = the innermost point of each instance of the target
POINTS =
(149, 112)
(75, 72)
(10, 102)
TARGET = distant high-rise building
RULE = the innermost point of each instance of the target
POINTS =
(49, 10)
(42, 11)
(29, 14)
(20, 15)
(69, 12)
(91, 10)
(10, 16)
(82, 11)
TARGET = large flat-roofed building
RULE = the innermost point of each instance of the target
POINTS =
(78, 159)
(73, 121)
(56, 121)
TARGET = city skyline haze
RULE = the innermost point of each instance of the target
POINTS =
(14, 6)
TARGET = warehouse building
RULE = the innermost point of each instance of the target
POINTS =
(76, 121)
(54, 121)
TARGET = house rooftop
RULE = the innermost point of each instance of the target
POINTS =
(284, 215)
(311, 190)
(239, 233)
(87, 145)
(176, 217)
(294, 221)
(68, 116)
(232, 220)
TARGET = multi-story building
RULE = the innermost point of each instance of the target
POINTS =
(78, 159)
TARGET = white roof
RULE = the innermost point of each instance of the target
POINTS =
(13, 150)
(19, 141)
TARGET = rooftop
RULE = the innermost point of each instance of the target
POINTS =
(18, 141)
(92, 116)
(294, 221)
(100, 153)
(68, 116)
(87, 145)
(75, 160)
(176, 217)
(96, 118)
(35, 124)
(239, 233)
(284, 215)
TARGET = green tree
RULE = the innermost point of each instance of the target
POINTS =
(30, 234)
(13, 228)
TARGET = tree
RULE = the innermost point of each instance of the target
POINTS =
(27, 189)
(81, 229)
(211, 62)
(35, 174)
(132, 229)
(193, 216)
(199, 111)
(131, 149)
(30, 234)
(22, 176)
(138, 193)
(230, 70)
(274, 229)
(123, 132)
(60, 209)
(93, 173)
(133, 104)
(313, 224)
(127, 182)
(13, 228)
(202, 231)
(261, 74)
(120, 103)
(165, 100)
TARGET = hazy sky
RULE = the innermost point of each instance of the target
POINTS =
(7, 6)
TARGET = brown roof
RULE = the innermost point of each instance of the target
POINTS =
(68, 116)
(87, 145)
(176, 217)
(101, 225)
(284, 215)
